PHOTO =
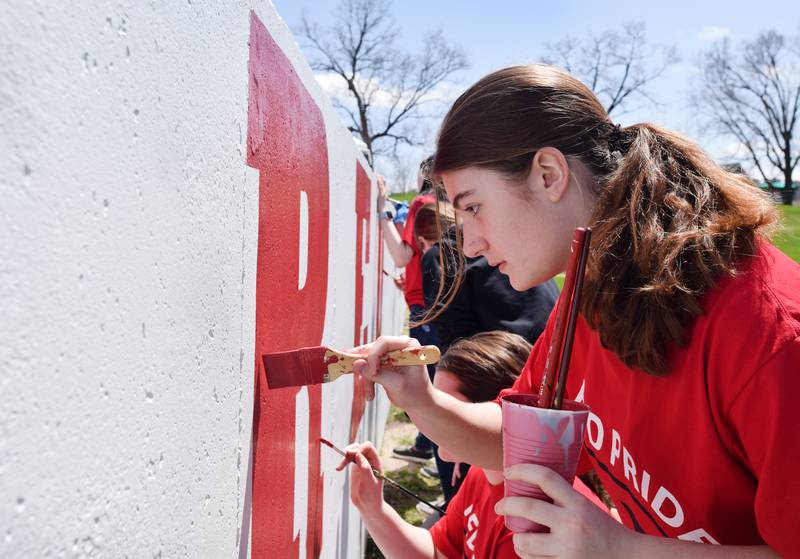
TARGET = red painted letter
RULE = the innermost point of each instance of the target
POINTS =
(286, 142)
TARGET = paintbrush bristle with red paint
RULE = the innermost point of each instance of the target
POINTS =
(315, 365)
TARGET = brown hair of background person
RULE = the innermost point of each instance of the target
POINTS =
(425, 167)
(486, 363)
(432, 220)
(668, 221)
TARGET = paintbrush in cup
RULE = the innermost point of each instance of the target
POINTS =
(553, 364)
(316, 365)
(574, 310)
(390, 481)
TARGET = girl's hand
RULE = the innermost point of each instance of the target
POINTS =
(381, 193)
(400, 281)
(578, 528)
(366, 490)
(406, 386)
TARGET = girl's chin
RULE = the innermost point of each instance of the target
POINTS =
(525, 283)
(520, 284)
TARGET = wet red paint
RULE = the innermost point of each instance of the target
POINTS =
(286, 142)
(363, 187)
(298, 367)
(331, 359)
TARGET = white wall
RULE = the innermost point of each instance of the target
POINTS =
(129, 240)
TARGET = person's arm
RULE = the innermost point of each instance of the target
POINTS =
(470, 431)
(394, 536)
(580, 529)
(400, 251)
(397, 538)
(653, 547)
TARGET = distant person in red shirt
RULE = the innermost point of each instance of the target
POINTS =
(407, 252)
(474, 369)
(687, 346)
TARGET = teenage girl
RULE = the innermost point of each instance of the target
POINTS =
(687, 348)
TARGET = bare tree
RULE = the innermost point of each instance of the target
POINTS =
(754, 96)
(386, 88)
(404, 171)
(617, 66)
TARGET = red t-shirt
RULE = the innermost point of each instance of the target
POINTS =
(708, 452)
(472, 529)
(413, 292)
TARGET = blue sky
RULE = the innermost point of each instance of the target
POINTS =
(505, 32)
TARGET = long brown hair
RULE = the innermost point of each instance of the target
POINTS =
(486, 363)
(668, 221)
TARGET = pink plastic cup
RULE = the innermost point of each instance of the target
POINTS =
(533, 435)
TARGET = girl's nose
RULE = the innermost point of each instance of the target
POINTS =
(474, 245)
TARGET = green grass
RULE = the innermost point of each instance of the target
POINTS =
(428, 489)
(396, 415)
(403, 196)
(788, 237)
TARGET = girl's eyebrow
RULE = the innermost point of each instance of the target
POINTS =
(459, 197)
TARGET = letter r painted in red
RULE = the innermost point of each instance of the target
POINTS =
(286, 142)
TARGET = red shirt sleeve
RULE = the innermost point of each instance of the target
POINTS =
(764, 417)
(505, 547)
(448, 532)
(408, 229)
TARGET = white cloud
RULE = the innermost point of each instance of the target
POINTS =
(334, 86)
(684, 69)
(712, 33)
(733, 150)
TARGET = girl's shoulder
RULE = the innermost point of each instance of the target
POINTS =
(759, 306)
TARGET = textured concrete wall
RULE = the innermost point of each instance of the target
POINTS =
(141, 277)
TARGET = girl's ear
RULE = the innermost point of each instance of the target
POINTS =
(550, 172)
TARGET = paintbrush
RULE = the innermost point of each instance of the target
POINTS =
(574, 310)
(315, 365)
(551, 366)
(390, 481)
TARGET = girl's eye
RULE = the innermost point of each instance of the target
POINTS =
(472, 210)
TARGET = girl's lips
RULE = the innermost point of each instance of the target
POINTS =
(501, 266)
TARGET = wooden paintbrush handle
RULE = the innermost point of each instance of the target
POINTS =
(425, 355)
(340, 363)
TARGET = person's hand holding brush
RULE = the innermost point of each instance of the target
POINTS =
(405, 385)
(471, 430)
(395, 537)
(366, 490)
